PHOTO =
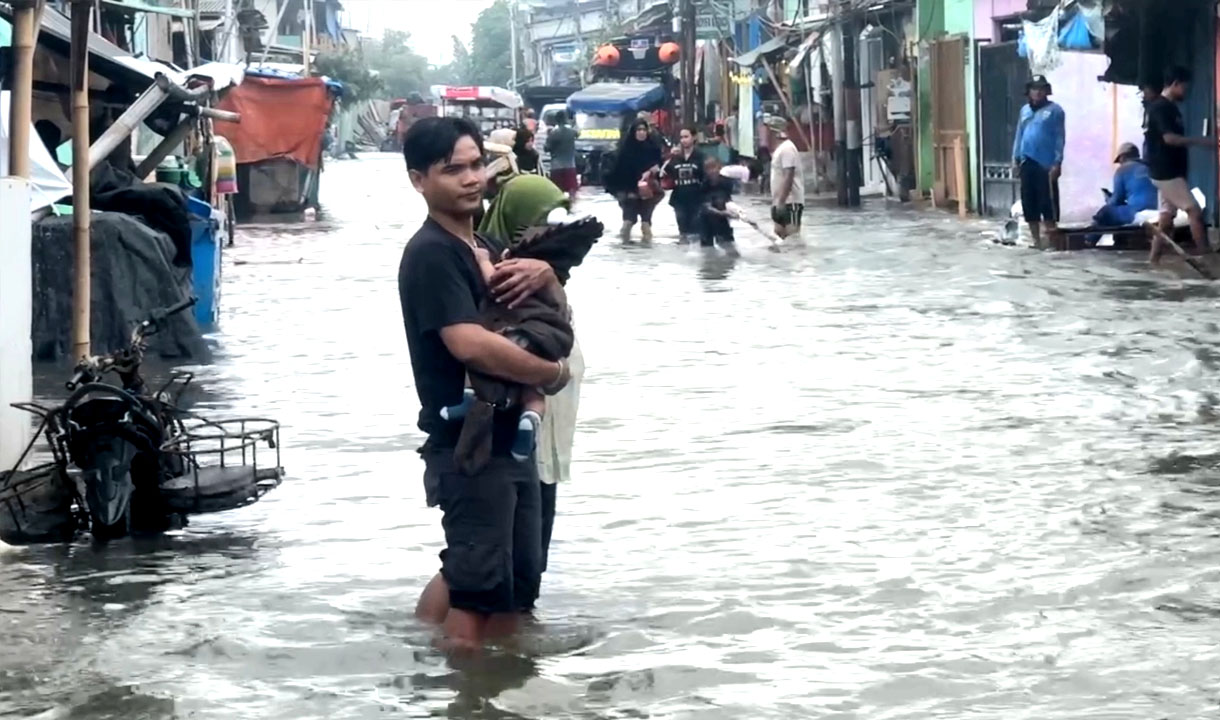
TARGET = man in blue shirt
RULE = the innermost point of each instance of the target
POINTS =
(1037, 156)
(1133, 190)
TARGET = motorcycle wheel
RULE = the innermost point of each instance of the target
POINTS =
(110, 475)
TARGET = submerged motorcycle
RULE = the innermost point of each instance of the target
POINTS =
(127, 461)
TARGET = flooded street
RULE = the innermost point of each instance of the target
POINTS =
(900, 473)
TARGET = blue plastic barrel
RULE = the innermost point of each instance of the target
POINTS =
(205, 257)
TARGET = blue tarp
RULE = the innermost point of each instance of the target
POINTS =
(336, 88)
(617, 98)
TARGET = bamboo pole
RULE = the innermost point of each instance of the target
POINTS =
(81, 11)
(27, 20)
(121, 129)
(165, 147)
(783, 96)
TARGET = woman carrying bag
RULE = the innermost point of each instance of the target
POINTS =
(634, 180)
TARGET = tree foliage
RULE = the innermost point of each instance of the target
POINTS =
(491, 47)
(400, 71)
(349, 67)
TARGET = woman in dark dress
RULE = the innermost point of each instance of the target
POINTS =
(527, 156)
(637, 163)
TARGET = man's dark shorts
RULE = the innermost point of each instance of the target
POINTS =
(789, 215)
(1039, 196)
(492, 561)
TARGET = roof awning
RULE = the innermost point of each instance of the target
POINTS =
(106, 58)
(209, 24)
(749, 59)
(135, 6)
(804, 49)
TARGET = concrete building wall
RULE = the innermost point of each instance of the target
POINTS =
(1100, 117)
(986, 10)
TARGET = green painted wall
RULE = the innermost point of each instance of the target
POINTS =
(936, 18)
(930, 21)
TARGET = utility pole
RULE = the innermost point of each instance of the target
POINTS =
(687, 13)
(307, 35)
(580, 40)
(851, 92)
(840, 111)
(512, 40)
(222, 53)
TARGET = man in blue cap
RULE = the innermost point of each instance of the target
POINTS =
(1037, 156)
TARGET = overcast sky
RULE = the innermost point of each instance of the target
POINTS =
(430, 22)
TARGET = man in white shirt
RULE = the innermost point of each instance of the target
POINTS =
(787, 182)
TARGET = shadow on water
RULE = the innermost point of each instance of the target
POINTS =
(122, 577)
(475, 682)
(1138, 290)
(716, 265)
(77, 597)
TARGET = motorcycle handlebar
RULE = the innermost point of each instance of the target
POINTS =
(152, 325)
(148, 327)
(175, 309)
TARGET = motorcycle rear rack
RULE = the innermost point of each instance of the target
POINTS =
(223, 467)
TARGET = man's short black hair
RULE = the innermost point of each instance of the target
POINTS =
(690, 128)
(561, 117)
(1177, 74)
(431, 140)
(719, 131)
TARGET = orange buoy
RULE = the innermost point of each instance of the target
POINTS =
(606, 56)
(669, 53)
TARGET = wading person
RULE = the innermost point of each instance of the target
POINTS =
(787, 182)
(685, 170)
(1169, 160)
(715, 196)
(491, 565)
(561, 146)
(1037, 156)
(527, 202)
(633, 182)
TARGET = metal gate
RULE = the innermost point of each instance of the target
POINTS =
(1001, 89)
(949, 118)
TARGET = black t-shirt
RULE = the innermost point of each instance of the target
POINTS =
(687, 174)
(1165, 162)
(717, 193)
(439, 284)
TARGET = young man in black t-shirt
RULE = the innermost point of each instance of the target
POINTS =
(491, 566)
(1168, 159)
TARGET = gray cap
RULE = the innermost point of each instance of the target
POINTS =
(1127, 150)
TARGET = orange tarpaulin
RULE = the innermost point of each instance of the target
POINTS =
(280, 117)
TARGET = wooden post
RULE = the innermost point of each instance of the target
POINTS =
(783, 97)
(959, 167)
(79, 61)
(27, 20)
